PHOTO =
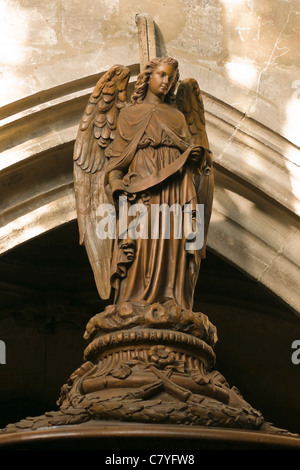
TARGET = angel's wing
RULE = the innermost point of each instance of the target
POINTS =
(95, 134)
(189, 101)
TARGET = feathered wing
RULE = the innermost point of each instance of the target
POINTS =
(189, 101)
(95, 134)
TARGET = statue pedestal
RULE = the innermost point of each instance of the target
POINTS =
(149, 364)
(153, 364)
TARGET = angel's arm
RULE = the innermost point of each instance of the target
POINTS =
(114, 177)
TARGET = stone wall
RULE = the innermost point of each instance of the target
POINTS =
(243, 52)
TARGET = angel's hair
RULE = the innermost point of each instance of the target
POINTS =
(141, 86)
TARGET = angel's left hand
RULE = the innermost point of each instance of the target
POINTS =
(196, 153)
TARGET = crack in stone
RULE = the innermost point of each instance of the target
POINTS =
(271, 56)
(231, 138)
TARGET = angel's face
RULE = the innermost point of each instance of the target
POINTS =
(161, 80)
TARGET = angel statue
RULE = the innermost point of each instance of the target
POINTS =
(141, 173)
(150, 154)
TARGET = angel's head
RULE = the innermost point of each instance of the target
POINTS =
(142, 83)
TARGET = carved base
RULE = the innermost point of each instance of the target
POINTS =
(150, 364)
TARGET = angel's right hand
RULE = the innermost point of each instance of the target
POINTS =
(131, 197)
(120, 194)
(121, 198)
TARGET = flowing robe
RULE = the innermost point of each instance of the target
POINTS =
(149, 161)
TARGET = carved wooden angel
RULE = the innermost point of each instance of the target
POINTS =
(151, 154)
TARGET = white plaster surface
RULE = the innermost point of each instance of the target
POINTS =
(245, 53)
